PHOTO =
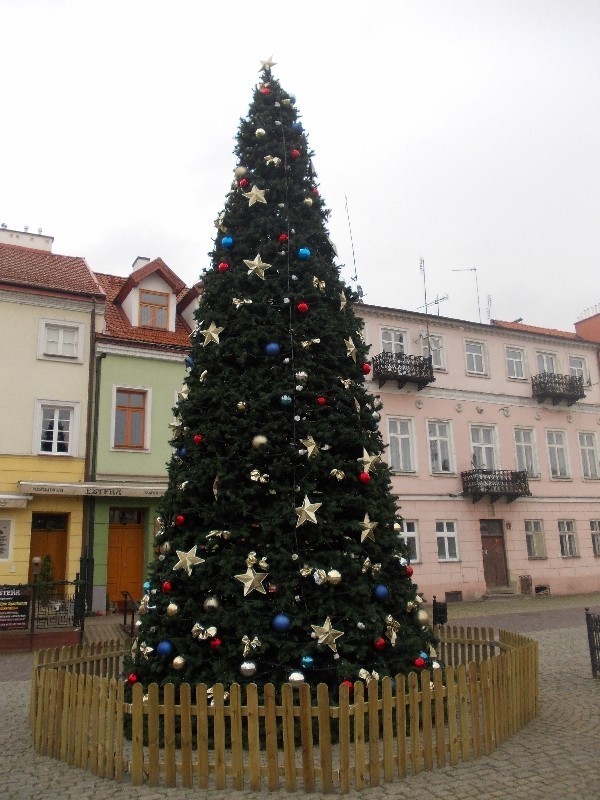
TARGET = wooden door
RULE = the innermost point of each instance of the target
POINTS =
(51, 543)
(125, 561)
(493, 553)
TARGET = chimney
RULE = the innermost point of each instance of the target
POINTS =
(25, 238)
(140, 261)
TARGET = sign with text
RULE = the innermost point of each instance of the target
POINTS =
(14, 608)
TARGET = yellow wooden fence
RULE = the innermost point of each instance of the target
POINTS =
(259, 737)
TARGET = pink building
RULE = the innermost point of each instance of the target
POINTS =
(493, 442)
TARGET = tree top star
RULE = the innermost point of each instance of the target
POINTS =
(188, 560)
(255, 195)
(306, 512)
(252, 580)
(327, 635)
(267, 63)
(257, 267)
(211, 334)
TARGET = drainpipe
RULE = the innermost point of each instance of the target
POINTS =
(93, 414)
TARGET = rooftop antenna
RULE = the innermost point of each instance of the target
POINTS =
(355, 278)
(436, 302)
(473, 269)
(489, 308)
(422, 270)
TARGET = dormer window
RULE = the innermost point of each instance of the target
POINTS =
(154, 309)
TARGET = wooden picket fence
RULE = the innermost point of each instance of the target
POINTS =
(257, 737)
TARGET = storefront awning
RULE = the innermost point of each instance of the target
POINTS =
(14, 500)
(92, 489)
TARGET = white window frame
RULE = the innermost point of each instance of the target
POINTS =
(513, 361)
(6, 539)
(532, 466)
(545, 356)
(555, 448)
(436, 440)
(409, 530)
(62, 325)
(488, 446)
(588, 455)
(446, 530)
(396, 347)
(567, 535)
(395, 441)
(147, 418)
(595, 532)
(471, 370)
(433, 345)
(535, 540)
(75, 409)
(576, 371)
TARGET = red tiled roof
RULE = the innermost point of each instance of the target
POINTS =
(118, 327)
(518, 326)
(157, 266)
(26, 268)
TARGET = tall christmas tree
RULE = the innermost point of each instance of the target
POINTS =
(278, 556)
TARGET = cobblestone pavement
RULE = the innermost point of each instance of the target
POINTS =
(556, 757)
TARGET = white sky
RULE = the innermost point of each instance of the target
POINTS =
(463, 132)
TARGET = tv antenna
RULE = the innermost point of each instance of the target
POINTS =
(355, 277)
(473, 269)
(435, 302)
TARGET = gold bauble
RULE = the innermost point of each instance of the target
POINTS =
(178, 662)
(211, 604)
(172, 609)
(239, 172)
(241, 406)
(334, 577)
(260, 132)
(259, 441)
(422, 617)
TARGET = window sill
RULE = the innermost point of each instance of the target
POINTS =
(518, 380)
(448, 560)
(537, 558)
(477, 374)
(561, 480)
(45, 453)
(443, 474)
(404, 472)
(569, 557)
(129, 450)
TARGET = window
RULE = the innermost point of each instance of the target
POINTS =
(557, 453)
(515, 362)
(589, 457)
(483, 446)
(5, 540)
(56, 428)
(154, 309)
(446, 541)
(534, 537)
(594, 528)
(438, 434)
(568, 538)
(475, 355)
(433, 345)
(60, 341)
(526, 451)
(130, 418)
(577, 367)
(393, 340)
(401, 445)
(410, 537)
(546, 362)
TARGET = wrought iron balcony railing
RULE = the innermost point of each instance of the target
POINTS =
(402, 368)
(550, 386)
(496, 483)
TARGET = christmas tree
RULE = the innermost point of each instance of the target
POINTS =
(278, 556)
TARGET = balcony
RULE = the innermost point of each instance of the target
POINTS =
(402, 368)
(549, 386)
(496, 483)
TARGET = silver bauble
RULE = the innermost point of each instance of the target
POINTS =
(422, 617)
(259, 441)
(211, 604)
(260, 132)
(178, 662)
(239, 172)
(296, 677)
(247, 669)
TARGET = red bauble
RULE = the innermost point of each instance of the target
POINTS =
(214, 644)
(271, 588)
(265, 90)
(132, 678)
(166, 587)
(321, 401)
(315, 191)
(349, 684)
(243, 183)
(179, 519)
(409, 571)
(295, 153)
(419, 662)
(302, 307)
(366, 368)
(365, 478)
(283, 238)
(198, 438)
(223, 266)
(379, 644)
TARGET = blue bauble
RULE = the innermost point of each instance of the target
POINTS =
(188, 361)
(164, 648)
(146, 586)
(297, 127)
(304, 254)
(424, 655)
(182, 452)
(307, 662)
(286, 400)
(281, 623)
(272, 349)
(381, 592)
(227, 242)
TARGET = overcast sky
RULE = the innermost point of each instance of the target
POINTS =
(463, 132)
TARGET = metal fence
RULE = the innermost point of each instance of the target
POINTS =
(57, 604)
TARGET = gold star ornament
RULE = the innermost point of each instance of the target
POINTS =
(188, 560)
(350, 348)
(311, 446)
(255, 195)
(367, 528)
(368, 461)
(306, 512)
(211, 334)
(252, 581)
(267, 63)
(257, 267)
(327, 635)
